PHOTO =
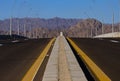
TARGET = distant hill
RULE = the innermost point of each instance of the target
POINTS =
(89, 28)
(39, 27)
(44, 27)
(53, 23)
(85, 28)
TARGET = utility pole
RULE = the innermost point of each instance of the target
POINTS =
(96, 30)
(18, 27)
(119, 26)
(102, 28)
(30, 32)
(113, 23)
(87, 33)
(24, 29)
(119, 23)
(10, 32)
(91, 32)
(36, 32)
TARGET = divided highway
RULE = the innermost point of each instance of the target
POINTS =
(105, 52)
(16, 57)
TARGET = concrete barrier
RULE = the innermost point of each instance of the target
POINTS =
(109, 35)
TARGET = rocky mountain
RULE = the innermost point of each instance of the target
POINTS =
(39, 27)
(53, 23)
(43, 26)
(90, 28)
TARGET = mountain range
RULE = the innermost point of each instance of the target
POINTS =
(40, 27)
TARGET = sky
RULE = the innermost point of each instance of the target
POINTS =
(99, 9)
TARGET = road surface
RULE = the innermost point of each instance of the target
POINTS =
(104, 52)
(16, 57)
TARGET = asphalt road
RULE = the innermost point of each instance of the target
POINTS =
(16, 57)
(104, 52)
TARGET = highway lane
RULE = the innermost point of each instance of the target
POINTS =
(105, 52)
(17, 57)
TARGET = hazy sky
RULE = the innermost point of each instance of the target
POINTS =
(99, 9)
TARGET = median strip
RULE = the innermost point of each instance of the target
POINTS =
(29, 76)
(98, 74)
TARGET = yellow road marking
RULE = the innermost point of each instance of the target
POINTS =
(99, 75)
(29, 76)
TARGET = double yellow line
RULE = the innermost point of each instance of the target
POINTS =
(29, 76)
(98, 74)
